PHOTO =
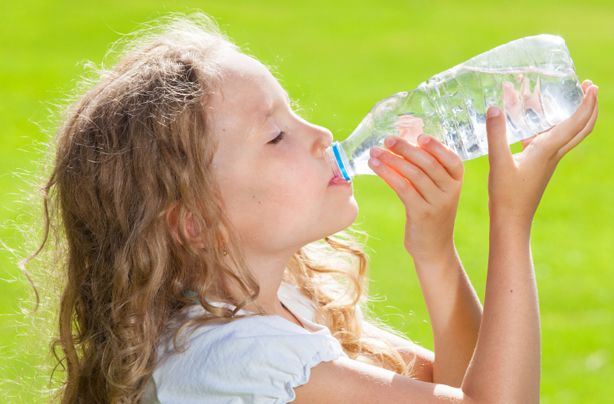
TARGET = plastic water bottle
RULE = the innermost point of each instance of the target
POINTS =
(532, 79)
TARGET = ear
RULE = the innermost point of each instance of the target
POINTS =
(172, 221)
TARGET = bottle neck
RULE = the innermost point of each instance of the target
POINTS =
(338, 163)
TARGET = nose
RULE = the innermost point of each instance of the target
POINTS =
(323, 138)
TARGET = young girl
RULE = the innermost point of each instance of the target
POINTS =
(206, 258)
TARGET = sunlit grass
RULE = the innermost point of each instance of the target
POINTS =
(336, 59)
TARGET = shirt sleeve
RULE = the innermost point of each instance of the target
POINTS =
(262, 365)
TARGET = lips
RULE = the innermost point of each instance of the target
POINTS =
(337, 180)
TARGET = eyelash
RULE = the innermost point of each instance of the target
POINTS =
(278, 138)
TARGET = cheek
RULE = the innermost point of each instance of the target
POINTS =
(275, 201)
(275, 205)
(289, 179)
(269, 197)
(294, 199)
(287, 194)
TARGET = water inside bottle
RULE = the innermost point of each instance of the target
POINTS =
(534, 99)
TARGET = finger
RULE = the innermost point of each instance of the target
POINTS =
(404, 190)
(499, 153)
(410, 127)
(585, 85)
(527, 141)
(448, 158)
(582, 134)
(420, 180)
(562, 133)
(430, 166)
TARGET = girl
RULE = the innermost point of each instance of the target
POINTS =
(206, 258)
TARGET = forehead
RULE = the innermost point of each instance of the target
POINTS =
(244, 94)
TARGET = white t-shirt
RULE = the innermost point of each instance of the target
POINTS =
(258, 359)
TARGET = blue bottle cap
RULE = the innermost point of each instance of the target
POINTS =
(340, 162)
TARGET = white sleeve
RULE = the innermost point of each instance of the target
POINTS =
(262, 363)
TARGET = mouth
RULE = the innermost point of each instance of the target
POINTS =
(337, 180)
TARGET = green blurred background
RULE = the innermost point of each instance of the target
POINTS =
(336, 59)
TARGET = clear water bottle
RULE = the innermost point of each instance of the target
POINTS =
(532, 79)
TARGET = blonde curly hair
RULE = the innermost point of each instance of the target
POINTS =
(132, 146)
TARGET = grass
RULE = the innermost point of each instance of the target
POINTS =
(336, 59)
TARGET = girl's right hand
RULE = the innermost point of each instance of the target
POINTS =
(516, 182)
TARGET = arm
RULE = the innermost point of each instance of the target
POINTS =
(507, 355)
(505, 366)
(516, 184)
(455, 312)
(455, 320)
(424, 358)
(428, 179)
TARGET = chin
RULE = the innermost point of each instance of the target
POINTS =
(346, 216)
(355, 210)
(335, 220)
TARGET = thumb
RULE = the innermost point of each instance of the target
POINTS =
(499, 153)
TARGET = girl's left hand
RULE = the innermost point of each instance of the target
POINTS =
(427, 179)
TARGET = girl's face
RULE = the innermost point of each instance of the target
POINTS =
(270, 164)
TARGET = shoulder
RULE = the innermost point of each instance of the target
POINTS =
(259, 358)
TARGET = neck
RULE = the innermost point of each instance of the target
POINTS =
(268, 271)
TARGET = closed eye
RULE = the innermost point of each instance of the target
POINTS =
(278, 138)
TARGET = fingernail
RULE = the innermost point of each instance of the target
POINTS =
(390, 141)
(423, 139)
(493, 112)
(375, 162)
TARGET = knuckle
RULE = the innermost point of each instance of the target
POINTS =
(412, 170)
(450, 157)
(404, 186)
(455, 186)
(401, 147)
(430, 164)
(390, 160)
(426, 160)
